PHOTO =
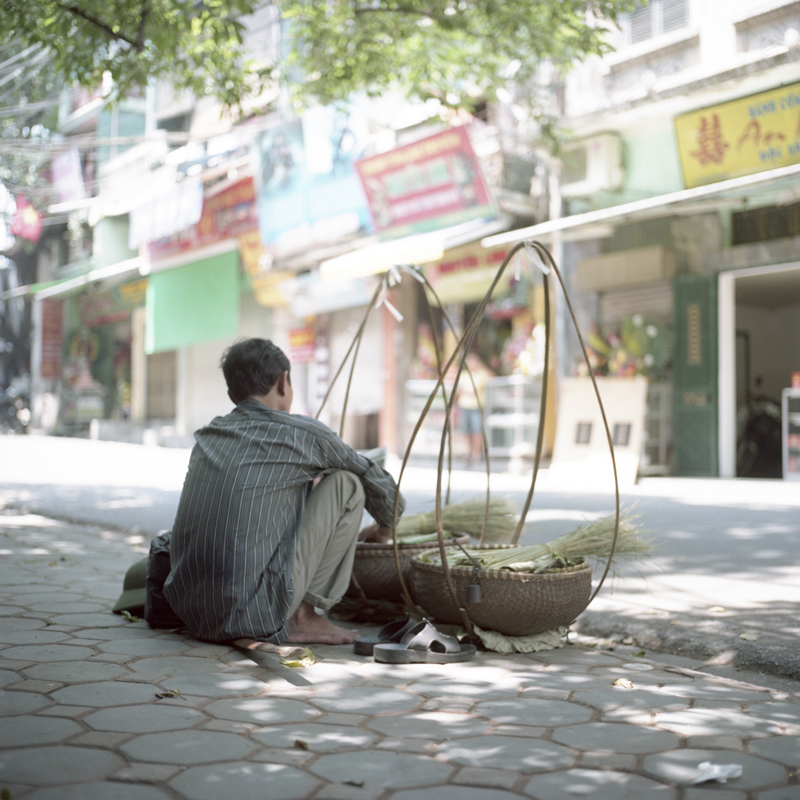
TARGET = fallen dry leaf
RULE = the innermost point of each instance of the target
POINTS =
(170, 693)
(717, 610)
(748, 637)
(301, 745)
(305, 660)
(624, 683)
(128, 616)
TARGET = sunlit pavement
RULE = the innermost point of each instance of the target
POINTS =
(96, 707)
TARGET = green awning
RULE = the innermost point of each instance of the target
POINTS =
(197, 302)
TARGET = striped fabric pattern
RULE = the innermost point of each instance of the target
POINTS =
(242, 503)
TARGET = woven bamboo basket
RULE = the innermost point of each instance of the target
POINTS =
(375, 569)
(512, 603)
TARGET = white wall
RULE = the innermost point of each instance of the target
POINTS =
(202, 394)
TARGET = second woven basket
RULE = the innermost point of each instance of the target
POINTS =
(512, 603)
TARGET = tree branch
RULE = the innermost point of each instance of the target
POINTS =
(358, 10)
(140, 35)
(78, 12)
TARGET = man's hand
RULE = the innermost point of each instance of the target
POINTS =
(374, 533)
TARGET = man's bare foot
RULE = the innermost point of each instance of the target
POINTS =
(308, 627)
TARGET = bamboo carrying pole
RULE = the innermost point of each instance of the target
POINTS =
(540, 258)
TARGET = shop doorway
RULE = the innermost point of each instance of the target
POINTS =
(759, 346)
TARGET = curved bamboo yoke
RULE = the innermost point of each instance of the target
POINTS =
(538, 257)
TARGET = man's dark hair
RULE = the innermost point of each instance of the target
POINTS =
(252, 367)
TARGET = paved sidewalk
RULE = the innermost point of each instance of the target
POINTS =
(86, 711)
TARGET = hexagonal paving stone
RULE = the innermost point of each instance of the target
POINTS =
(579, 656)
(507, 752)
(597, 784)
(244, 781)
(48, 652)
(261, 710)
(436, 725)
(22, 624)
(191, 747)
(89, 620)
(568, 681)
(143, 646)
(65, 764)
(86, 607)
(216, 684)
(704, 690)
(144, 719)
(680, 767)
(716, 722)
(454, 793)
(618, 702)
(641, 677)
(371, 699)
(130, 631)
(177, 665)
(390, 770)
(464, 687)
(37, 636)
(101, 790)
(7, 677)
(106, 693)
(319, 738)
(533, 711)
(22, 702)
(615, 737)
(785, 793)
(783, 713)
(74, 671)
(30, 730)
(59, 600)
(714, 792)
(783, 749)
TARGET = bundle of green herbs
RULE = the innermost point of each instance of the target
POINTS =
(592, 540)
(465, 517)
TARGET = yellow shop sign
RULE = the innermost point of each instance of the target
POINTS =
(740, 137)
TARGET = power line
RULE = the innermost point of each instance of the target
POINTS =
(19, 110)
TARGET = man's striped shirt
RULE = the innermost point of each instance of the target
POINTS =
(233, 542)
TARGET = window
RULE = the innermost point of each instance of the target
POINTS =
(655, 18)
(622, 434)
(583, 433)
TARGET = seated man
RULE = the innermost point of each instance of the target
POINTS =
(257, 543)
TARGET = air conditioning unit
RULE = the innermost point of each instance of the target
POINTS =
(592, 166)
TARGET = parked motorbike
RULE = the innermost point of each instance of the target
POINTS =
(758, 452)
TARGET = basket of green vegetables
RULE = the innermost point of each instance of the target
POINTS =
(526, 590)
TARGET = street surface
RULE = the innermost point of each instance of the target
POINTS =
(724, 587)
(96, 706)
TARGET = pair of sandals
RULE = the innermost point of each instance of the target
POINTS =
(406, 641)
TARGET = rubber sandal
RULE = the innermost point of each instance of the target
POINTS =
(423, 644)
(391, 632)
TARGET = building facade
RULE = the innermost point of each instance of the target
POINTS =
(679, 225)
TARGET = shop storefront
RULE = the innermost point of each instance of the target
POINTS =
(507, 355)
(712, 323)
(198, 300)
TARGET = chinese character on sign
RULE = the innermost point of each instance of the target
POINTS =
(711, 144)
